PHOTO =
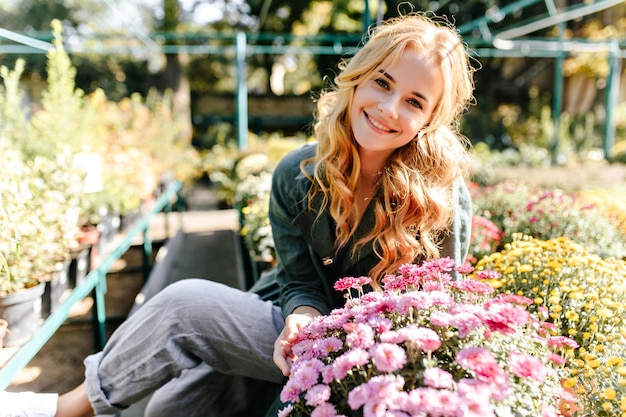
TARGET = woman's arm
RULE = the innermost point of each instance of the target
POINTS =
(299, 281)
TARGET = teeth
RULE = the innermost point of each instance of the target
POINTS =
(378, 125)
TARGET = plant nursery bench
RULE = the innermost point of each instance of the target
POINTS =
(94, 283)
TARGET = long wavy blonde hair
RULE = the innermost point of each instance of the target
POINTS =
(416, 207)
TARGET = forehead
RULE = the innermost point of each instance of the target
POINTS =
(407, 53)
(414, 70)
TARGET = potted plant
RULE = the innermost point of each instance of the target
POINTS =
(20, 293)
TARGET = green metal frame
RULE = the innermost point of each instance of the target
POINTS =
(510, 42)
(94, 284)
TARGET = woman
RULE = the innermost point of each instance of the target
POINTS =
(382, 187)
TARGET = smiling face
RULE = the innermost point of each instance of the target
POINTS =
(395, 102)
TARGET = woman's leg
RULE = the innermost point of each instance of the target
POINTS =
(187, 323)
(206, 393)
(75, 404)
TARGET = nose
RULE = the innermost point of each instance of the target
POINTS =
(388, 108)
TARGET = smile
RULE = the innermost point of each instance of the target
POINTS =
(378, 125)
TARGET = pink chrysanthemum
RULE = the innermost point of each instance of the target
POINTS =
(317, 395)
(438, 378)
(458, 354)
(526, 366)
(388, 357)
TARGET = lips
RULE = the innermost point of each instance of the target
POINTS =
(378, 125)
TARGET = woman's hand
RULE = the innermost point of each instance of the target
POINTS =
(283, 356)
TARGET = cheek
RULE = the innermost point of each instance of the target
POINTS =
(415, 124)
(364, 95)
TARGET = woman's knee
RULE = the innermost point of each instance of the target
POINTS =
(185, 291)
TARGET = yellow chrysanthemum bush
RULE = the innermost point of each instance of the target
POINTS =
(582, 295)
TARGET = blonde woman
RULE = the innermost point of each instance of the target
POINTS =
(383, 186)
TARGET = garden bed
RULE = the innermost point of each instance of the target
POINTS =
(569, 178)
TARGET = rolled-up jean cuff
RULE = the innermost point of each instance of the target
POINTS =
(97, 397)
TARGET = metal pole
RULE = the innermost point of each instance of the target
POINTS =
(242, 92)
(557, 99)
(147, 252)
(99, 311)
(366, 16)
(611, 97)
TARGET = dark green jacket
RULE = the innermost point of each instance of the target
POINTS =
(307, 266)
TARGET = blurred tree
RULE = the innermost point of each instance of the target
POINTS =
(265, 21)
(117, 75)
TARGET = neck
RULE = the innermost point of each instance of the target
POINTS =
(372, 163)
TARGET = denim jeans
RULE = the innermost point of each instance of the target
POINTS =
(193, 338)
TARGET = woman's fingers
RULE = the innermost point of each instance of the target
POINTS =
(283, 355)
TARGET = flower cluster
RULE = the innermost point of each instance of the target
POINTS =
(427, 345)
(486, 238)
(611, 203)
(548, 214)
(253, 194)
(583, 297)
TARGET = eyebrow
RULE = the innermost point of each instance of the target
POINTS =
(415, 93)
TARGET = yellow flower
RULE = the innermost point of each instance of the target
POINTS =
(571, 315)
(583, 296)
(554, 265)
(554, 300)
(610, 394)
(594, 363)
(570, 382)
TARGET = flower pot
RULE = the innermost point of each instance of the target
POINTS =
(22, 311)
(79, 266)
(109, 226)
(88, 237)
(569, 405)
(128, 220)
(55, 291)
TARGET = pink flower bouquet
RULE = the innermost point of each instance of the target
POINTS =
(427, 345)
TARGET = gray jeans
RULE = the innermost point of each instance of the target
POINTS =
(188, 344)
